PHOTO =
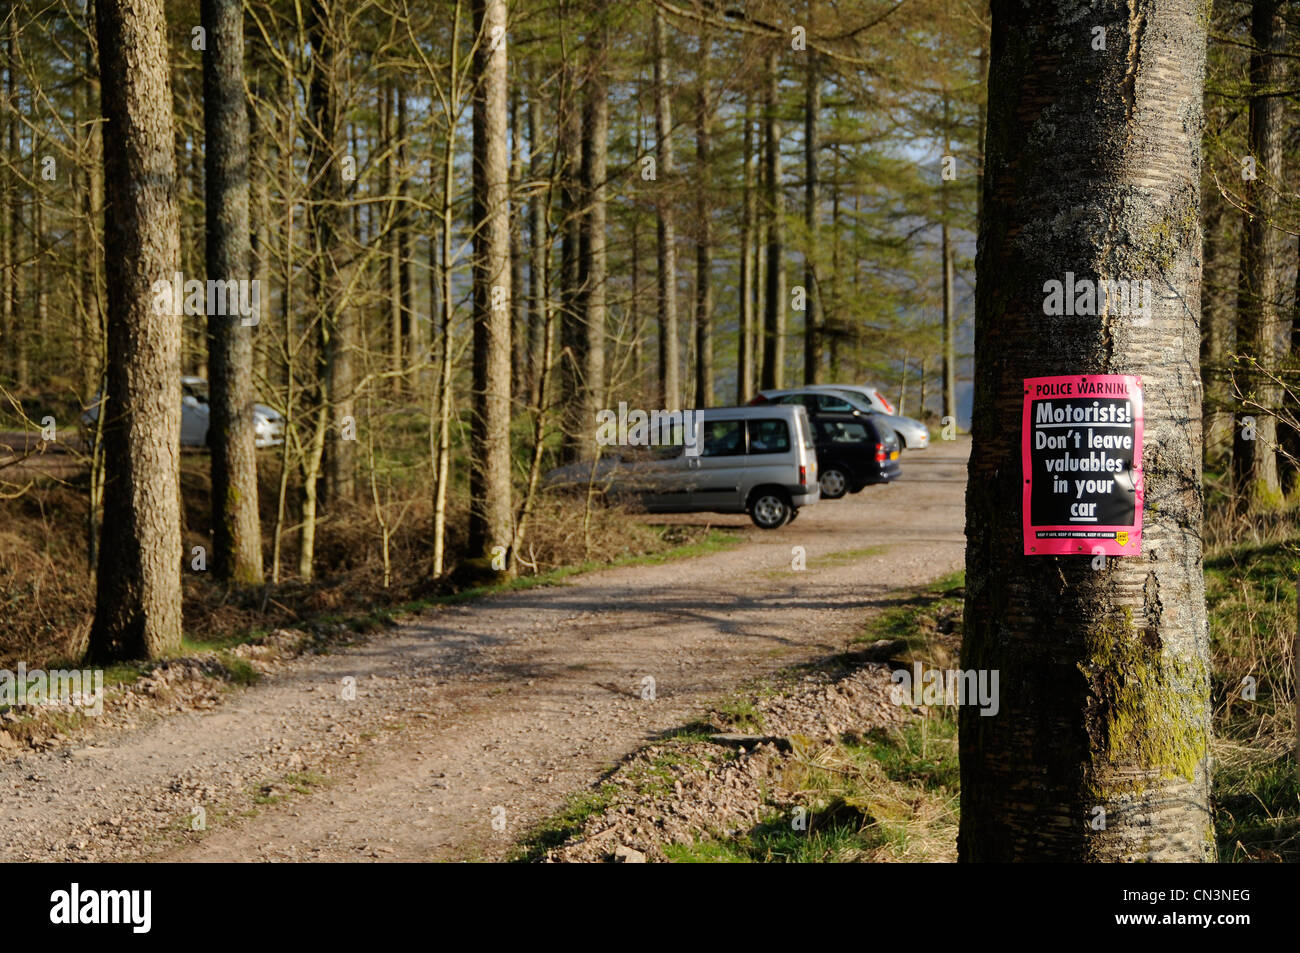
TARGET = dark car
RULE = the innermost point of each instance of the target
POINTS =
(853, 451)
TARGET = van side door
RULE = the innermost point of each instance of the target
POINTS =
(720, 467)
(666, 480)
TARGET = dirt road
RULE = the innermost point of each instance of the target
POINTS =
(472, 721)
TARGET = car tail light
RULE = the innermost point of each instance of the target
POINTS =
(803, 475)
(881, 456)
(757, 399)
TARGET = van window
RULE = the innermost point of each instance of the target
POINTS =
(722, 438)
(768, 436)
(839, 431)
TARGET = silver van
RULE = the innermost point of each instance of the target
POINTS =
(756, 460)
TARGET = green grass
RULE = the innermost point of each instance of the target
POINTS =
(239, 671)
(566, 823)
(297, 782)
(1250, 596)
(910, 620)
(889, 796)
(845, 557)
(741, 713)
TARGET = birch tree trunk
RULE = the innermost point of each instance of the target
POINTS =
(491, 521)
(774, 316)
(595, 269)
(669, 368)
(745, 345)
(704, 240)
(812, 329)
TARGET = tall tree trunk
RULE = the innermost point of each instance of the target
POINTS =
(42, 331)
(949, 306)
(519, 339)
(1099, 748)
(330, 398)
(704, 240)
(491, 519)
(749, 204)
(90, 354)
(636, 319)
(594, 269)
(1254, 449)
(1289, 435)
(758, 303)
(17, 342)
(1217, 328)
(573, 337)
(236, 531)
(7, 198)
(284, 357)
(338, 324)
(408, 326)
(831, 315)
(774, 315)
(669, 369)
(537, 259)
(443, 389)
(392, 244)
(949, 329)
(259, 214)
(138, 584)
(920, 389)
(812, 328)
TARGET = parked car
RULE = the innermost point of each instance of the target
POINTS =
(854, 451)
(848, 398)
(913, 433)
(268, 423)
(756, 460)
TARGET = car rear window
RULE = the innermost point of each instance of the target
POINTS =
(768, 436)
(835, 405)
(840, 431)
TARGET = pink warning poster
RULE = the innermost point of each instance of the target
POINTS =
(1081, 459)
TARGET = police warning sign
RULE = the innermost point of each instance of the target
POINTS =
(1081, 452)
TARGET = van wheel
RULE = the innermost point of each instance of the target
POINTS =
(770, 509)
(834, 483)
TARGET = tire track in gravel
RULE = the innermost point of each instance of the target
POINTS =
(511, 702)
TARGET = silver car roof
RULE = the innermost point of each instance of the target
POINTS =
(753, 410)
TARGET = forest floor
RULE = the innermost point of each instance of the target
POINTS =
(473, 722)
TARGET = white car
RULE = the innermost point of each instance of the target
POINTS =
(268, 423)
(914, 434)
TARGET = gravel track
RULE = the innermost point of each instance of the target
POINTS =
(472, 721)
